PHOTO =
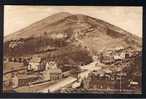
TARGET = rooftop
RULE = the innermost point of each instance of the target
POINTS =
(55, 70)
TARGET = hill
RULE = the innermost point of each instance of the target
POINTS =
(64, 34)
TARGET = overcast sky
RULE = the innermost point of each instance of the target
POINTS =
(128, 18)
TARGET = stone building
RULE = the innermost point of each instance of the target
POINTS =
(52, 72)
(34, 64)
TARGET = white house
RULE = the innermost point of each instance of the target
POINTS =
(120, 56)
(34, 64)
(52, 72)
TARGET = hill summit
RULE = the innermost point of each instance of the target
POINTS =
(63, 31)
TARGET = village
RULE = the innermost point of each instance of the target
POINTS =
(109, 72)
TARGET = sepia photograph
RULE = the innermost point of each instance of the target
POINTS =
(72, 49)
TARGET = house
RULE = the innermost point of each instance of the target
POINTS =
(108, 59)
(52, 72)
(51, 65)
(34, 64)
(55, 74)
(119, 56)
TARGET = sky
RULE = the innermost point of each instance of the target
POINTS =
(128, 18)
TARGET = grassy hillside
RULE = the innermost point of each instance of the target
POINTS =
(65, 35)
